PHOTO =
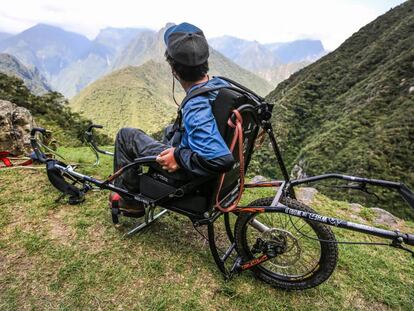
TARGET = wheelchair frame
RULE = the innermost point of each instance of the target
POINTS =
(284, 187)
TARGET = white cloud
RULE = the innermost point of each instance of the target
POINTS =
(332, 21)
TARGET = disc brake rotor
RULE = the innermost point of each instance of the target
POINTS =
(291, 248)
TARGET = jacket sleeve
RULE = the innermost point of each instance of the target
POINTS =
(195, 165)
(206, 152)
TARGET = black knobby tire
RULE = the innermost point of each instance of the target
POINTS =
(322, 264)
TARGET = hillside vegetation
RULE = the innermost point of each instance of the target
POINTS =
(133, 96)
(59, 256)
(352, 111)
(49, 111)
(142, 96)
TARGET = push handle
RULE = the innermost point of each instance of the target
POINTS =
(40, 156)
(92, 126)
(35, 130)
(90, 139)
(410, 239)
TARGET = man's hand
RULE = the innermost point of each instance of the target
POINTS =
(167, 161)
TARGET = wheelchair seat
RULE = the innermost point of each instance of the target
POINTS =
(157, 183)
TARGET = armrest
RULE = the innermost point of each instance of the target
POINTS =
(145, 160)
(410, 239)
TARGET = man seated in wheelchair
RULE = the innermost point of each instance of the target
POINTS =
(193, 147)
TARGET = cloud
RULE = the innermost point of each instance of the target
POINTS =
(265, 21)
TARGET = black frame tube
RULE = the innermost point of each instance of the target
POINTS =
(382, 233)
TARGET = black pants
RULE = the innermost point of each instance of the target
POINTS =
(131, 143)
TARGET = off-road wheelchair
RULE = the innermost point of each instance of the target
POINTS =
(283, 241)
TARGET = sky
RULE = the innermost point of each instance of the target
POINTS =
(331, 21)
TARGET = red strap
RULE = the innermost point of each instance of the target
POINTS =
(238, 137)
(5, 154)
(27, 162)
(4, 158)
(6, 161)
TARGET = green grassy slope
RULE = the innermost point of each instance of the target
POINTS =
(133, 96)
(352, 111)
(57, 256)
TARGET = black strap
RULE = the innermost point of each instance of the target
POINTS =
(240, 86)
(197, 92)
(57, 180)
(202, 90)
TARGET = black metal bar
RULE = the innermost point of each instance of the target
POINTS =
(90, 139)
(268, 128)
(214, 251)
(227, 226)
(35, 145)
(382, 233)
(377, 182)
(402, 189)
(228, 252)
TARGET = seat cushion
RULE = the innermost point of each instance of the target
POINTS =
(155, 189)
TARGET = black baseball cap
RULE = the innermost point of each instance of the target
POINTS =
(186, 44)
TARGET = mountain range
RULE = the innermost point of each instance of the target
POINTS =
(273, 61)
(4, 35)
(352, 111)
(70, 61)
(11, 66)
(139, 93)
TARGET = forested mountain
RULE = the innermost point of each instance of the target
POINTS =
(149, 45)
(11, 66)
(132, 96)
(49, 111)
(69, 61)
(353, 110)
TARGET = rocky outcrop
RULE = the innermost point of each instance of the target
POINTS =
(382, 217)
(306, 194)
(258, 178)
(15, 125)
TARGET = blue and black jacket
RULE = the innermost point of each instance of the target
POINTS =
(201, 149)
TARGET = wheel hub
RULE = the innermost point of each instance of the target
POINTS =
(280, 244)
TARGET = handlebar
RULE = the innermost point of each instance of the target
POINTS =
(410, 239)
(37, 129)
(92, 126)
(35, 145)
(148, 159)
(89, 138)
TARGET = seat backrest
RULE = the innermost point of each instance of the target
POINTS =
(227, 100)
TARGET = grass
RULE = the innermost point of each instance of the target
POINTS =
(57, 256)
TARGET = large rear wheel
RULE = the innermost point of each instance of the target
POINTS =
(302, 262)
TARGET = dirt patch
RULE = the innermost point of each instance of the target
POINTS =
(360, 303)
(59, 230)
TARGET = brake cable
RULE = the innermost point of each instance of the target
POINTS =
(395, 242)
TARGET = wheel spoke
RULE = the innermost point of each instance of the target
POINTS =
(300, 258)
